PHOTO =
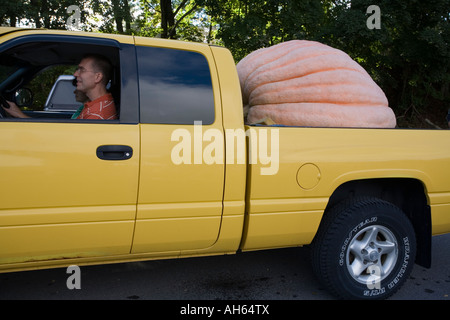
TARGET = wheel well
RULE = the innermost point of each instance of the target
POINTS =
(407, 194)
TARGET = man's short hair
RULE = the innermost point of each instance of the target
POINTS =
(101, 64)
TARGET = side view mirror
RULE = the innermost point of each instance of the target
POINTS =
(23, 97)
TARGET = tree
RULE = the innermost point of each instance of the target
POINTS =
(408, 56)
(11, 12)
(111, 16)
(247, 25)
(121, 13)
(114, 15)
(176, 19)
(50, 14)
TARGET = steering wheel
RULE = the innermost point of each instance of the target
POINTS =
(4, 104)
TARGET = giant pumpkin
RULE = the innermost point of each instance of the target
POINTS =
(306, 83)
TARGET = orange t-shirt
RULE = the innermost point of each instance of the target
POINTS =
(102, 108)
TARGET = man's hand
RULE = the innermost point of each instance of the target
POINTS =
(14, 110)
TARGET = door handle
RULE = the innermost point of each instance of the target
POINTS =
(114, 152)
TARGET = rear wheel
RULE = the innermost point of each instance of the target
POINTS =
(364, 249)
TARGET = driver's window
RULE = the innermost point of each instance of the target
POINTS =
(54, 91)
(47, 69)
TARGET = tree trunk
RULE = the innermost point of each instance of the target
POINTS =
(127, 16)
(167, 19)
(12, 20)
(35, 7)
(118, 16)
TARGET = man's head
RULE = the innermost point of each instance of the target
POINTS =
(93, 74)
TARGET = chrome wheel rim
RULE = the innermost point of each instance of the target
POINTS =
(372, 255)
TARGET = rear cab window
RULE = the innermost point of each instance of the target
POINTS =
(175, 86)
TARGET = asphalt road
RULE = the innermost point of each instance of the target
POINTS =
(283, 274)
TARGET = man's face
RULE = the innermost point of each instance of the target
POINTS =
(87, 77)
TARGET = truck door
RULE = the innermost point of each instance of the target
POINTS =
(68, 187)
(182, 170)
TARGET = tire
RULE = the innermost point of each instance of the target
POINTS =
(364, 249)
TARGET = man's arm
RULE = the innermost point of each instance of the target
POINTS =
(14, 110)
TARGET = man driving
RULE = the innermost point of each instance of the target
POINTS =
(92, 75)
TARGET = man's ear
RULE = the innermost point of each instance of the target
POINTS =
(98, 77)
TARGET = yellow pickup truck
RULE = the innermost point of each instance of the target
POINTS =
(180, 174)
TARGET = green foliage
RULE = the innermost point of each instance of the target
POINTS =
(246, 26)
(177, 19)
(408, 56)
(50, 14)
